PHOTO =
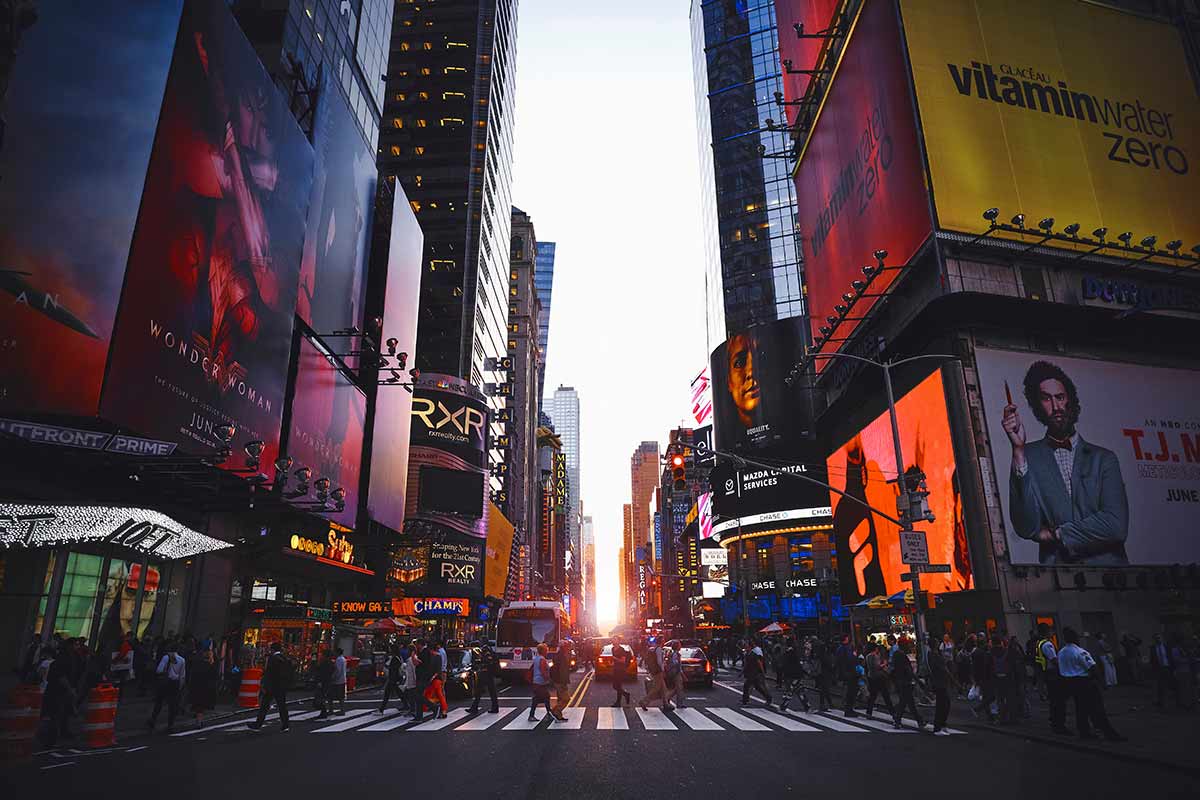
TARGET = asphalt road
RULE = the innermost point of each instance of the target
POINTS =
(712, 748)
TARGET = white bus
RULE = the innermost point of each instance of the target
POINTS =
(524, 624)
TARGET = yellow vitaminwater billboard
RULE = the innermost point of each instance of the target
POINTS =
(1056, 108)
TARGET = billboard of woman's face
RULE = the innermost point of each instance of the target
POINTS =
(753, 407)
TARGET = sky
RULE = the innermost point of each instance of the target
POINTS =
(606, 165)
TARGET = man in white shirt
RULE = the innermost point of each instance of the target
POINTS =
(1075, 667)
(171, 672)
(337, 688)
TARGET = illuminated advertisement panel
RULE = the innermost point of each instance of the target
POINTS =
(326, 431)
(204, 332)
(80, 105)
(388, 493)
(1133, 437)
(449, 430)
(1089, 116)
(332, 271)
(798, 53)
(702, 403)
(860, 179)
(498, 552)
(868, 546)
(753, 408)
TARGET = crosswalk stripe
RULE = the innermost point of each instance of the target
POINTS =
(455, 715)
(524, 723)
(787, 723)
(210, 728)
(738, 721)
(827, 722)
(396, 720)
(275, 718)
(655, 720)
(574, 721)
(912, 723)
(485, 720)
(886, 727)
(349, 722)
(697, 721)
(612, 719)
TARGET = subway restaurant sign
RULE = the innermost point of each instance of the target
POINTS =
(1056, 108)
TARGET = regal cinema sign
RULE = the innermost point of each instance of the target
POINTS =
(139, 529)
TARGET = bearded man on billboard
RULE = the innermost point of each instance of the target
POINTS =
(1066, 494)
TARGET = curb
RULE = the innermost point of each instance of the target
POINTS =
(1068, 744)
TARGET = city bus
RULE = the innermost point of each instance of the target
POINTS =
(524, 624)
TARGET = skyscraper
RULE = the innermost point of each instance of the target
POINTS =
(519, 490)
(564, 410)
(628, 592)
(447, 137)
(644, 472)
(752, 265)
(543, 277)
(588, 536)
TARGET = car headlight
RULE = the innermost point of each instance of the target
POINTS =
(503, 665)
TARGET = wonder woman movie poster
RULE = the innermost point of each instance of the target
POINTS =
(867, 545)
(326, 431)
(332, 272)
(78, 118)
(203, 336)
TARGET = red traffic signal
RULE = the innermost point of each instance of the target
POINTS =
(678, 473)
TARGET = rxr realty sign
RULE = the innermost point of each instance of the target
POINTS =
(137, 528)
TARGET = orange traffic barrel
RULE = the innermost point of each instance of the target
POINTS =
(101, 716)
(351, 673)
(19, 722)
(251, 683)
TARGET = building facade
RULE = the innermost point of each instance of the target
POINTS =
(644, 474)
(544, 279)
(564, 410)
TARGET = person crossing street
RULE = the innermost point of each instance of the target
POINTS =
(793, 678)
(486, 667)
(754, 674)
(620, 657)
(657, 689)
(276, 680)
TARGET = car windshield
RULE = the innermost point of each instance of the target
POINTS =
(691, 652)
(455, 657)
(527, 631)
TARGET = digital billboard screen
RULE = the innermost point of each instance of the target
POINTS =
(333, 267)
(204, 332)
(326, 427)
(81, 102)
(753, 499)
(860, 179)
(753, 407)
(388, 492)
(451, 491)
(1090, 116)
(449, 431)
(867, 545)
(1098, 463)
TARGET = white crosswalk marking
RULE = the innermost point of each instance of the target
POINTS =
(655, 720)
(275, 718)
(737, 720)
(787, 723)
(524, 723)
(612, 719)
(912, 723)
(350, 722)
(696, 721)
(455, 715)
(886, 727)
(485, 720)
(389, 723)
(827, 722)
(574, 720)
(225, 725)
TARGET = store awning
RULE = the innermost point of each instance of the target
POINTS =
(904, 598)
(141, 529)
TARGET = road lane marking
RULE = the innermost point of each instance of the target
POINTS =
(886, 727)
(397, 720)
(351, 721)
(485, 720)
(612, 719)
(787, 723)
(827, 722)
(454, 716)
(574, 721)
(655, 720)
(61, 764)
(697, 721)
(742, 723)
(243, 722)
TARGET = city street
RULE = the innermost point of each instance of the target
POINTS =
(710, 748)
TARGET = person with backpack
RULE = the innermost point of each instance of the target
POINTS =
(487, 668)
(877, 680)
(395, 680)
(171, 672)
(845, 661)
(673, 677)
(753, 674)
(904, 678)
(539, 681)
(657, 686)
(620, 657)
(276, 680)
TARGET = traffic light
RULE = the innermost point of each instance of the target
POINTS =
(679, 472)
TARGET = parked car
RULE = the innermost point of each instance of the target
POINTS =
(604, 663)
(696, 667)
